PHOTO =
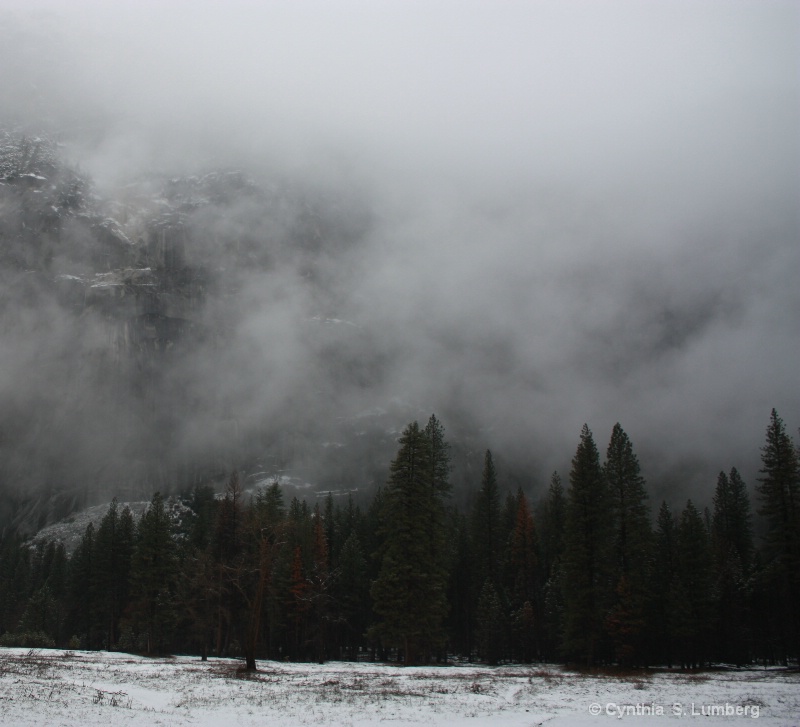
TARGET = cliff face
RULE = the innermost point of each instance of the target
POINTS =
(139, 346)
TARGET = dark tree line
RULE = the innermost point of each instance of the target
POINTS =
(589, 575)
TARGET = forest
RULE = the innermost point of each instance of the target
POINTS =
(592, 574)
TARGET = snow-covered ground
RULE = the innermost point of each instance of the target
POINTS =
(52, 687)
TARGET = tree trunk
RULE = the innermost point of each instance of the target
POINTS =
(251, 640)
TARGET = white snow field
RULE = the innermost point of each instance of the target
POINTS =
(51, 687)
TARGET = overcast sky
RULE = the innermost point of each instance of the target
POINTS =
(584, 211)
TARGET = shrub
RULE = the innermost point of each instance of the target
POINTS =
(28, 640)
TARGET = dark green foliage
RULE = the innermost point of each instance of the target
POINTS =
(113, 553)
(486, 526)
(523, 555)
(552, 524)
(41, 613)
(409, 593)
(584, 580)
(779, 491)
(630, 512)
(552, 640)
(523, 581)
(14, 565)
(81, 588)
(587, 555)
(439, 458)
(352, 596)
(693, 597)
(732, 519)
(664, 588)
(27, 640)
(204, 506)
(491, 627)
(227, 550)
(462, 588)
(732, 548)
(269, 505)
(632, 540)
(153, 578)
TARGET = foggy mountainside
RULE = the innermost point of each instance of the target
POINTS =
(265, 239)
(126, 332)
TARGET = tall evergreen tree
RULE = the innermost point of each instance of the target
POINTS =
(486, 526)
(228, 546)
(203, 504)
(439, 458)
(523, 556)
(352, 595)
(113, 548)
(154, 577)
(552, 522)
(694, 606)
(779, 490)
(81, 588)
(321, 578)
(587, 555)
(462, 589)
(732, 546)
(664, 587)
(632, 542)
(523, 582)
(732, 518)
(409, 593)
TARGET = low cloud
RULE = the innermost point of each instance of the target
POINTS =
(521, 217)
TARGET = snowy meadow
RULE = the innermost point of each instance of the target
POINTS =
(54, 687)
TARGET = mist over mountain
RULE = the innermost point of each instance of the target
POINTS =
(269, 237)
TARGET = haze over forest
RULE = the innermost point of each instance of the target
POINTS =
(521, 216)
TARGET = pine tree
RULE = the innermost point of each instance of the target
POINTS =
(439, 482)
(523, 555)
(632, 542)
(587, 555)
(352, 594)
(732, 545)
(732, 519)
(299, 605)
(57, 583)
(523, 579)
(462, 589)
(228, 545)
(439, 459)
(204, 506)
(38, 622)
(486, 526)
(253, 570)
(552, 519)
(321, 581)
(409, 593)
(694, 606)
(779, 490)
(269, 505)
(664, 587)
(553, 616)
(113, 551)
(81, 587)
(332, 534)
(491, 624)
(154, 576)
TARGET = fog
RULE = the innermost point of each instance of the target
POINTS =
(522, 216)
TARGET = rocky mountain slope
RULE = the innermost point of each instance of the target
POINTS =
(187, 326)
